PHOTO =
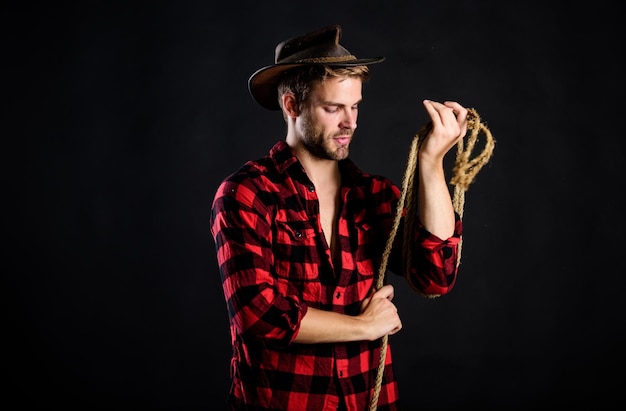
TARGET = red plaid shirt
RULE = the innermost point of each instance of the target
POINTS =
(274, 263)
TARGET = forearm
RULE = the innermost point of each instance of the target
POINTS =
(379, 316)
(319, 326)
(435, 208)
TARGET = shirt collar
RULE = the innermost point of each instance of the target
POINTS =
(284, 158)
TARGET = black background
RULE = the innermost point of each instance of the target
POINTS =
(120, 119)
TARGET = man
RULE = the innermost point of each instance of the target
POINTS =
(300, 234)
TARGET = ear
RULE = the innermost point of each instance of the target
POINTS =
(290, 107)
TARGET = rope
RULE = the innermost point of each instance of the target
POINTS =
(464, 172)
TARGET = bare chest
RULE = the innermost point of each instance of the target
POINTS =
(329, 215)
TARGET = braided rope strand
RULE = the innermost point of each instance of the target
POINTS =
(464, 172)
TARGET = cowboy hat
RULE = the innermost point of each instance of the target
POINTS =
(320, 47)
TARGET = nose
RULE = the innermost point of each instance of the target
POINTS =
(349, 118)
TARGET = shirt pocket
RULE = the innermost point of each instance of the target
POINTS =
(296, 254)
(365, 250)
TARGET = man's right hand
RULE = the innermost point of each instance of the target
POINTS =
(380, 314)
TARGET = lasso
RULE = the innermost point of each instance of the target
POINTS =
(464, 171)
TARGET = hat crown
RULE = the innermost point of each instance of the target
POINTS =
(320, 47)
(316, 46)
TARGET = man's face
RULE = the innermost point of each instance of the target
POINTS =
(328, 119)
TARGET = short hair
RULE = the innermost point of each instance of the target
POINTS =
(300, 80)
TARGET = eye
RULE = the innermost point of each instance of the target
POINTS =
(331, 109)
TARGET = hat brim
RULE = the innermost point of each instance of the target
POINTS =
(263, 83)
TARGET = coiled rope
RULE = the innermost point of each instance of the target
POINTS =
(464, 172)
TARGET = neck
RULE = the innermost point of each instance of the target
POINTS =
(323, 173)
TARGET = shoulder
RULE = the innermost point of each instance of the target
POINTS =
(246, 183)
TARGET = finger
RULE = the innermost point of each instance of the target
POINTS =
(396, 329)
(435, 109)
(461, 114)
(366, 301)
(439, 112)
(385, 291)
(459, 111)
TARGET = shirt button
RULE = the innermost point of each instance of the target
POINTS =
(299, 234)
(311, 188)
(338, 295)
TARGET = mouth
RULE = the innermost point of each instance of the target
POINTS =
(342, 140)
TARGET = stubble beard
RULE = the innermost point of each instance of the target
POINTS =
(318, 145)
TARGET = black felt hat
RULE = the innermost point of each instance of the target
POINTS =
(320, 47)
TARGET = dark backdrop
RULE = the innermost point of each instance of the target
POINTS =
(120, 119)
